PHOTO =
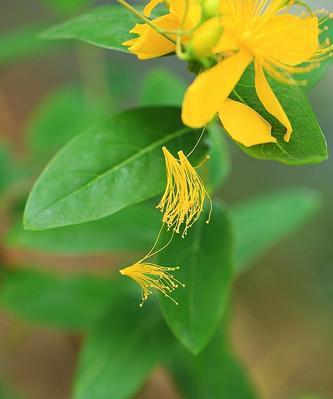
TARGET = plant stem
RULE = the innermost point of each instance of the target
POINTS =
(145, 19)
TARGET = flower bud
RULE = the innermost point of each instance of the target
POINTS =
(210, 8)
(204, 38)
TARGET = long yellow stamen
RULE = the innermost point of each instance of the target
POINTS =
(151, 276)
(184, 195)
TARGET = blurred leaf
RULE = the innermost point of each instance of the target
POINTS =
(67, 6)
(204, 258)
(132, 229)
(70, 302)
(214, 373)
(161, 87)
(61, 115)
(6, 392)
(106, 26)
(307, 143)
(114, 165)
(120, 353)
(217, 169)
(21, 43)
(261, 222)
(314, 76)
(7, 168)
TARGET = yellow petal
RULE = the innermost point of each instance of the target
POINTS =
(150, 7)
(151, 44)
(288, 39)
(188, 13)
(269, 100)
(244, 124)
(210, 89)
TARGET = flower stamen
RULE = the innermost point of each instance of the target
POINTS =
(184, 195)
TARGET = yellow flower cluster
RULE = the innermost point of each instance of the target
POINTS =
(225, 37)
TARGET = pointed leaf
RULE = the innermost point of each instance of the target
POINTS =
(204, 258)
(107, 168)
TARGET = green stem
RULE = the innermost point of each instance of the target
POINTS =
(145, 19)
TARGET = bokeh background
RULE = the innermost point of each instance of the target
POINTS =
(282, 325)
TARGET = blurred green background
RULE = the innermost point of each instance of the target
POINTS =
(282, 325)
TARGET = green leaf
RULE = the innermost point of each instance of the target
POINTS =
(120, 353)
(132, 229)
(64, 113)
(263, 221)
(22, 43)
(205, 261)
(106, 26)
(307, 143)
(67, 6)
(214, 373)
(114, 165)
(69, 302)
(161, 87)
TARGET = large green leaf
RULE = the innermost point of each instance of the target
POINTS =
(120, 353)
(21, 43)
(70, 302)
(64, 113)
(307, 143)
(213, 373)
(205, 261)
(131, 229)
(261, 222)
(107, 168)
(106, 26)
(162, 87)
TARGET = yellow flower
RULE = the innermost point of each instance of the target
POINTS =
(184, 15)
(152, 276)
(262, 32)
(183, 200)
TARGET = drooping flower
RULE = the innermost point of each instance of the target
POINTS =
(152, 276)
(184, 196)
(226, 36)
